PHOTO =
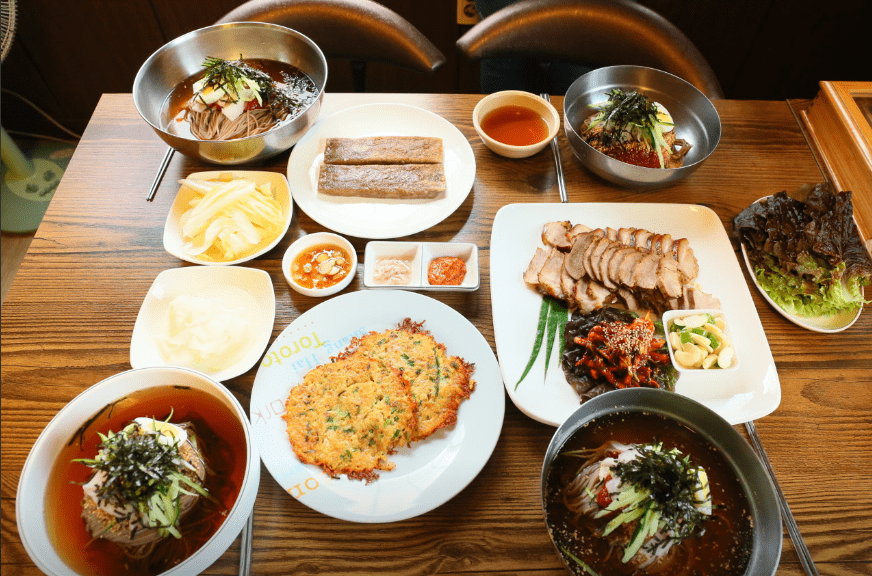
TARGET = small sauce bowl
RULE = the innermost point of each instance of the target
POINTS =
(319, 239)
(523, 109)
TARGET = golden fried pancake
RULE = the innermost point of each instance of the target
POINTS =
(439, 383)
(349, 415)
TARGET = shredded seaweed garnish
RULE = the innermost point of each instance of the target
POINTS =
(630, 116)
(232, 75)
(672, 482)
(144, 474)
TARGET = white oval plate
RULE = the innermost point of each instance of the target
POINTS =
(236, 285)
(824, 324)
(174, 243)
(380, 218)
(749, 393)
(427, 474)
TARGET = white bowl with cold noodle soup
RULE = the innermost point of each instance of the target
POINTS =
(149, 472)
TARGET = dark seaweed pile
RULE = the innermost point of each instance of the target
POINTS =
(818, 222)
(578, 377)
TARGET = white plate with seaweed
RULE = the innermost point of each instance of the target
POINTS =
(749, 393)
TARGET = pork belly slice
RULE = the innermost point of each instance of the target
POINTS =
(615, 262)
(594, 255)
(549, 275)
(575, 260)
(669, 278)
(531, 275)
(585, 259)
(640, 238)
(625, 236)
(590, 295)
(576, 230)
(554, 234)
(687, 263)
(693, 298)
(605, 261)
(627, 268)
(567, 284)
(645, 274)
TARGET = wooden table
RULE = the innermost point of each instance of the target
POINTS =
(68, 319)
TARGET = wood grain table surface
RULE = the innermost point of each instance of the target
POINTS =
(68, 318)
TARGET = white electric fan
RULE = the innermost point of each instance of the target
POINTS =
(28, 184)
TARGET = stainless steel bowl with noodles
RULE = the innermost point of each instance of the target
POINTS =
(232, 93)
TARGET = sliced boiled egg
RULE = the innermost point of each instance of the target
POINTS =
(665, 117)
(169, 433)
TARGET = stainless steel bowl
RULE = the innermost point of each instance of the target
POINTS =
(696, 120)
(764, 509)
(184, 56)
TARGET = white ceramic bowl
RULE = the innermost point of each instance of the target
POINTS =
(308, 241)
(30, 503)
(516, 98)
(668, 319)
(174, 241)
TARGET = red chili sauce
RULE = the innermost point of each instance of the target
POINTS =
(446, 271)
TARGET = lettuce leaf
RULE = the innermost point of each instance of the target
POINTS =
(817, 291)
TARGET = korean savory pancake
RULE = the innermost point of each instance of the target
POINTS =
(439, 383)
(349, 415)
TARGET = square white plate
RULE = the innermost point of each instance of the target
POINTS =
(174, 243)
(235, 285)
(749, 393)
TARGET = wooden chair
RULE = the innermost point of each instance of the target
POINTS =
(357, 30)
(591, 32)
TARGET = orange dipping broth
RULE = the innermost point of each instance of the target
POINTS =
(515, 125)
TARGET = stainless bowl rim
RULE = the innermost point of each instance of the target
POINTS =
(713, 110)
(140, 75)
(765, 512)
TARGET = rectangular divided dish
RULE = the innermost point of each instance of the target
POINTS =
(419, 255)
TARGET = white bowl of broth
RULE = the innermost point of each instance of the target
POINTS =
(163, 87)
(50, 492)
(742, 535)
(514, 123)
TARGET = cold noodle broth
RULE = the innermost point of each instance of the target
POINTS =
(221, 440)
(722, 550)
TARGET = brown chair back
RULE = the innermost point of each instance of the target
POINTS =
(357, 30)
(591, 32)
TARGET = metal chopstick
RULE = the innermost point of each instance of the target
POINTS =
(555, 149)
(245, 548)
(798, 543)
(160, 172)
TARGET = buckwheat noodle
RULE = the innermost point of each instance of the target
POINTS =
(211, 124)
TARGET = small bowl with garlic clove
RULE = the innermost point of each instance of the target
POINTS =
(320, 264)
(700, 340)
